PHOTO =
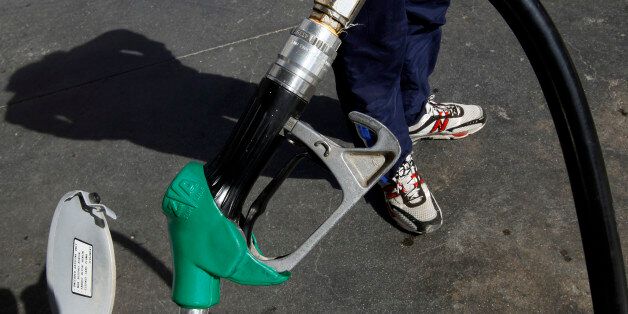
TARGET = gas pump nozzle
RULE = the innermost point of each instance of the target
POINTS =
(211, 237)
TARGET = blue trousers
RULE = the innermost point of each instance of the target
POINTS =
(385, 60)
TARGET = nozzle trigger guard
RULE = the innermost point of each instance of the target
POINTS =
(355, 169)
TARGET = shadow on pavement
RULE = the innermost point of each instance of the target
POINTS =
(35, 297)
(123, 86)
(145, 255)
(8, 303)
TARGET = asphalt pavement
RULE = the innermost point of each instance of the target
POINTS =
(117, 96)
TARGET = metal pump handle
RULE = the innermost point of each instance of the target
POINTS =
(355, 169)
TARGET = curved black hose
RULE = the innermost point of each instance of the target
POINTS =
(581, 149)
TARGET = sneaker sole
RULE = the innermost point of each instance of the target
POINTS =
(427, 226)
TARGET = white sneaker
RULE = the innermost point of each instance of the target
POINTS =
(410, 202)
(443, 121)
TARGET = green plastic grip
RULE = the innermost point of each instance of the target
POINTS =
(206, 246)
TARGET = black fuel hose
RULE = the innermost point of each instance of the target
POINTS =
(581, 149)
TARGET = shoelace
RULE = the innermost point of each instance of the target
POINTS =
(408, 180)
(443, 110)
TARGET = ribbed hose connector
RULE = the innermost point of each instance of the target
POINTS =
(305, 58)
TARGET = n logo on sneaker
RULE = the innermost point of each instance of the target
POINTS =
(440, 125)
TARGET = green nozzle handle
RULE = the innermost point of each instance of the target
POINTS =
(206, 246)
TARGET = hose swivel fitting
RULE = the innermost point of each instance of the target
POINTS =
(305, 58)
(336, 14)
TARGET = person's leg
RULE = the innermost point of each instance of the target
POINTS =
(425, 17)
(368, 79)
(426, 118)
(369, 65)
